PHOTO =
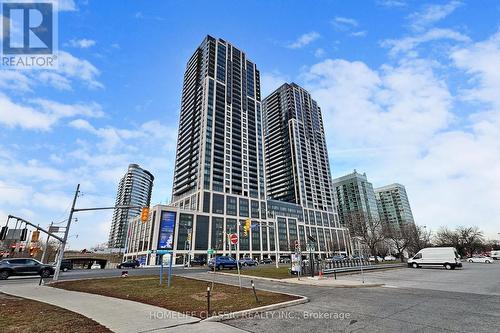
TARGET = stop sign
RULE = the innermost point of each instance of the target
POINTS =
(234, 239)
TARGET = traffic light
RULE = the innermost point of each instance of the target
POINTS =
(35, 236)
(32, 251)
(3, 233)
(24, 234)
(144, 214)
(247, 227)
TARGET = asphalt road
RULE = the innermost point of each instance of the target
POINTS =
(421, 300)
(477, 278)
(463, 304)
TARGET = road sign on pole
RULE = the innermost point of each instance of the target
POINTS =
(234, 239)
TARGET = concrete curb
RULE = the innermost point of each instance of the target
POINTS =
(250, 276)
(288, 281)
(271, 307)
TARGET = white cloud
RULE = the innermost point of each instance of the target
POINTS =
(319, 53)
(14, 80)
(358, 33)
(271, 81)
(74, 67)
(432, 14)
(391, 3)
(481, 60)
(401, 123)
(344, 23)
(66, 5)
(55, 80)
(407, 44)
(304, 40)
(41, 114)
(83, 43)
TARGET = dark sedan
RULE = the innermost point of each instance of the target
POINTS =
(24, 266)
(129, 264)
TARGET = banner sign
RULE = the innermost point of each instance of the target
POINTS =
(166, 237)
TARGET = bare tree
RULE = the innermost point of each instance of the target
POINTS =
(471, 239)
(366, 230)
(420, 238)
(399, 236)
(466, 240)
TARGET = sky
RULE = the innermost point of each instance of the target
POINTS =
(409, 90)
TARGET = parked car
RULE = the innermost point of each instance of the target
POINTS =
(95, 266)
(338, 258)
(389, 258)
(285, 260)
(196, 262)
(222, 262)
(66, 265)
(487, 260)
(436, 256)
(372, 258)
(248, 262)
(266, 261)
(24, 266)
(131, 263)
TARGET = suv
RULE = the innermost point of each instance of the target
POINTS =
(24, 266)
(132, 263)
(66, 265)
(223, 262)
(248, 262)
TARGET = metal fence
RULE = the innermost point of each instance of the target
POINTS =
(334, 264)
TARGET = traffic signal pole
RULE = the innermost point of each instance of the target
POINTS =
(65, 239)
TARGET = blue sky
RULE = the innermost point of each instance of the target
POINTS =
(409, 92)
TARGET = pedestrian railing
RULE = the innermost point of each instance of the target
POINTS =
(330, 266)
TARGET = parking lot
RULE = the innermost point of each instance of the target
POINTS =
(477, 278)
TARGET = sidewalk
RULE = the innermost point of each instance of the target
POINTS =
(116, 314)
(331, 282)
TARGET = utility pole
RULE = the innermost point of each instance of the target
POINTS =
(65, 239)
(44, 254)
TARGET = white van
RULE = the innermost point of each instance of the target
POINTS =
(436, 256)
(495, 254)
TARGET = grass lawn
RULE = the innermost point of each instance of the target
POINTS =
(185, 295)
(268, 272)
(19, 315)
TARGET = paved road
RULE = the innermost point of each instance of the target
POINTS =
(96, 273)
(422, 300)
(381, 309)
(477, 278)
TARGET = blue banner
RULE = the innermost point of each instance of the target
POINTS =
(166, 237)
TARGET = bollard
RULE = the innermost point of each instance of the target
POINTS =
(208, 300)
(254, 293)
(41, 281)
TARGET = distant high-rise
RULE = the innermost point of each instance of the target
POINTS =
(134, 190)
(354, 196)
(297, 165)
(393, 204)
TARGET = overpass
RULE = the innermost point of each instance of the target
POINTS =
(86, 259)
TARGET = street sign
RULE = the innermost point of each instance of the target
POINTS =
(53, 229)
(210, 251)
(234, 239)
(159, 251)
